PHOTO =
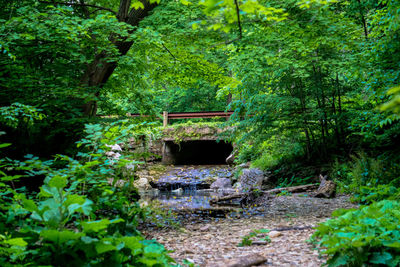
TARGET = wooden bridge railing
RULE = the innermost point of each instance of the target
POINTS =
(190, 115)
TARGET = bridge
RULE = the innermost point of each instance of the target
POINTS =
(192, 144)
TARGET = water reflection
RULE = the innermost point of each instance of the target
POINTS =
(191, 177)
(188, 199)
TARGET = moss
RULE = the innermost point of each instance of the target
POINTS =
(191, 131)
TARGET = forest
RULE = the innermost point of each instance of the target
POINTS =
(314, 91)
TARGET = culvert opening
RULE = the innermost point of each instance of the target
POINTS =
(202, 152)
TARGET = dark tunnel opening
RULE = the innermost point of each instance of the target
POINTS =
(199, 152)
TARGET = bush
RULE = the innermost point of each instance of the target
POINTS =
(364, 171)
(81, 216)
(60, 229)
(370, 194)
(368, 236)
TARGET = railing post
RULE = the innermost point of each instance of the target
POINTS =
(165, 118)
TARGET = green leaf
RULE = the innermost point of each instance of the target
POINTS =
(74, 199)
(392, 244)
(60, 236)
(99, 225)
(5, 145)
(58, 181)
(137, 5)
(16, 242)
(185, 2)
(105, 246)
(339, 260)
(381, 258)
(29, 205)
(88, 239)
(85, 208)
(132, 242)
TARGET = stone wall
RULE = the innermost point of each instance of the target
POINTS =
(150, 149)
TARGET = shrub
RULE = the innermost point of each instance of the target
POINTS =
(80, 217)
(368, 236)
(57, 230)
(364, 171)
(370, 194)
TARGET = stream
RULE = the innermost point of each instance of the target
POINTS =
(186, 190)
(210, 235)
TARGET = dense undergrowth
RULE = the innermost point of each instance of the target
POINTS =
(86, 212)
(314, 86)
(368, 236)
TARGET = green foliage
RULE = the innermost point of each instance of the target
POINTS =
(190, 130)
(370, 194)
(80, 216)
(394, 104)
(18, 114)
(247, 240)
(294, 181)
(284, 193)
(366, 236)
(363, 173)
(227, 13)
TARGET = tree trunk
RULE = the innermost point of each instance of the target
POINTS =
(100, 70)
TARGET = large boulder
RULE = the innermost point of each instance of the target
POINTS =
(251, 179)
(142, 184)
(221, 183)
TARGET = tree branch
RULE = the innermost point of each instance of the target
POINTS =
(238, 18)
(79, 4)
(169, 52)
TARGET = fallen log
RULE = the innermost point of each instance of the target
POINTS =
(293, 189)
(244, 261)
(290, 189)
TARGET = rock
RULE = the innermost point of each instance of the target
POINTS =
(210, 179)
(143, 204)
(248, 198)
(226, 191)
(115, 147)
(221, 183)
(231, 158)
(242, 261)
(237, 186)
(326, 189)
(117, 183)
(205, 228)
(113, 155)
(154, 192)
(128, 170)
(251, 179)
(142, 184)
(244, 165)
(178, 191)
(274, 234)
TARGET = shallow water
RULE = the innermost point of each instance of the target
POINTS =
(191, 177)
(189, 199)
(185, 187)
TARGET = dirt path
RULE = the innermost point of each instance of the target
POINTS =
(207, 244)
